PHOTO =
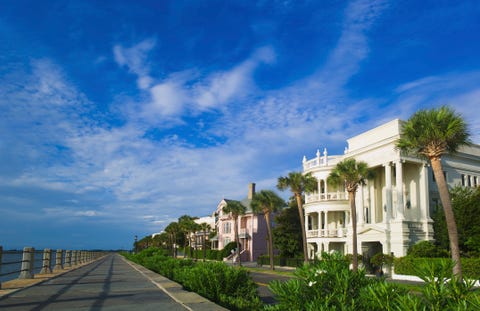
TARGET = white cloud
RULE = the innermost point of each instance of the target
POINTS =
(135, 59)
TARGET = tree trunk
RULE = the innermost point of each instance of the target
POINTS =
(353, 212)
(449, 216)
(204, 246)
(298, 196)
(270, 239)
(237, 241)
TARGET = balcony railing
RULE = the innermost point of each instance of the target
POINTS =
(330, 196)
(327, 233)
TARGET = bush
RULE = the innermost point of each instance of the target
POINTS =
(407, 265)
(426, 249)
(330, 285)
(264, 260)
(227, 250)
(230, 287)
(327, 284)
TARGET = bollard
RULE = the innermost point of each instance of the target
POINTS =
(68, 259)
(28, 260)
(58, 260)
(76, 258)
(47, 261)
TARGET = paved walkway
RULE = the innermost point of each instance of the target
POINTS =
(111, 283)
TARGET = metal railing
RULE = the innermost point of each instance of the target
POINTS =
(51, 261)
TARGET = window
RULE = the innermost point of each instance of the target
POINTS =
(226, 241)
(243, 223)
(463, 180)
(227, 227)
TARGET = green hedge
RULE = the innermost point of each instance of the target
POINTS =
(407, 265)
(264, 260)
(231, 287)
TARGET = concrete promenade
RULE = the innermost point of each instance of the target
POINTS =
(110, 283)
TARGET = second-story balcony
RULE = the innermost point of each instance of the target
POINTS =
(327, 233)
(329, 196)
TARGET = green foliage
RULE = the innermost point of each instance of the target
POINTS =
(465, 205)
(442, 292)
(426, 249)
(328, 284)
(230, 287)
(227, 250)
(280, 261)
(287, 234)
(380, 295)
(407, 265)
(434, 131)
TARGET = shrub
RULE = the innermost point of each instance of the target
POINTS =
(230, 287)
(407, 265)
(327, 284)
(426, 249)
(227, 250)
(280, 261)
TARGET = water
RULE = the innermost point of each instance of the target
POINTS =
(16, 256)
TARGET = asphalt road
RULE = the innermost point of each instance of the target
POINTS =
(262, 279)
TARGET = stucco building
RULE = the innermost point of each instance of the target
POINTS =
(252, 229)
(394, 208)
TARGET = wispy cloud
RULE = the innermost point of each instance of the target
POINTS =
(135, 60)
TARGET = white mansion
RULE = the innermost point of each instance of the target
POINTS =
(394, 208)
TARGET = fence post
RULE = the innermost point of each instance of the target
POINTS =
(58, 260)
(47, 261)
(68, 259)
(28, 260)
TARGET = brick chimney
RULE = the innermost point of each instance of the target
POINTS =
(251, 190)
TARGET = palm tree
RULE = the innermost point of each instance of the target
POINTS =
(205, 228)
(298, 184)
(351, 173)
(267, 201)
(431, 133)
(187, 226)
(235, 208)
(173, 229)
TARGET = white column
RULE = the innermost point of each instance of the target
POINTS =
(360, 218)
(424, 195)
(306, 221)
(388, 192)
(399, 188)
(325, 222)
(319, 189)
(326, 189)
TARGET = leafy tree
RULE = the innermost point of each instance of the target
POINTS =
(465, 204)
(351, 173)
(298, 185)
(267, 202)
(235, 209)
(287, 231)
(431, 134)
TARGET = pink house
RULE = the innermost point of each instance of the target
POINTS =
(252, 229)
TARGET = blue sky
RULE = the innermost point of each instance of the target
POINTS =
(118, 117)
